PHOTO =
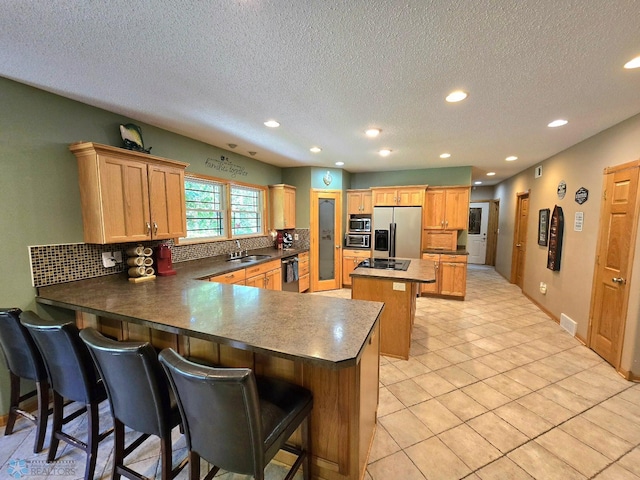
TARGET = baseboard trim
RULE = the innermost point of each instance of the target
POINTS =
(547, 312)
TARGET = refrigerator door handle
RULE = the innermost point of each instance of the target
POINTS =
(392, 240)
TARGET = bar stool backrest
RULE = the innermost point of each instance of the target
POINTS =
(20, 351)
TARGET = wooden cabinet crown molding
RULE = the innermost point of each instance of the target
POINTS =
(88, 148)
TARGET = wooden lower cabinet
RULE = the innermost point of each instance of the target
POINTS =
(345, 400)
(350, 260)
(451, 275)
(265, 275)
(303, 272)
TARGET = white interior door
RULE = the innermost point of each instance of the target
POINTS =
(477, 234)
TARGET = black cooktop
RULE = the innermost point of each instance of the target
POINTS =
(385, 263)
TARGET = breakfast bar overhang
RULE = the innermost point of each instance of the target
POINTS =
(328, 345)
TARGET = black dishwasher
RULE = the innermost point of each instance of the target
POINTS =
(290, 279)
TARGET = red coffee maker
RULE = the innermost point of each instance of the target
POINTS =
(164, 267)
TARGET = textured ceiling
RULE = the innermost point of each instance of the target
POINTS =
(327, 70)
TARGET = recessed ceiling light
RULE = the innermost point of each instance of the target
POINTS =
(385, 152)
(339, 164)
(490, 174)
(271, 124)
(456, 96)
(315, 149)
(445, 155)
(478, 183)
(557, 123)
(373, 132)
(635, 63)
(511, 158)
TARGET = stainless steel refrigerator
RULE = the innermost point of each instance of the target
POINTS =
(397, 232)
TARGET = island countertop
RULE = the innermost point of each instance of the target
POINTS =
(324, 331)
(420, 271)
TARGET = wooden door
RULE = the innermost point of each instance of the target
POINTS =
(167, 202)
(433, 215)
(326, 239)
(520, 240)
(610, 296)
(384, 197)
(273, 279)
(289, 207)
(492, 232)
(367, 202)
(432, 287)
(410, 197)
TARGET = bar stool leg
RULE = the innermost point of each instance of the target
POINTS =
(42, 389)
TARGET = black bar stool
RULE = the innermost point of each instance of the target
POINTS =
(24, 361)
(236, 421)
(139, 396)
(73, 376)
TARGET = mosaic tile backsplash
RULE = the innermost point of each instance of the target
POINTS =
(51, 264)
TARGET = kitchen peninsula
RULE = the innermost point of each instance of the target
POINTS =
(398, 290)
(328, 345)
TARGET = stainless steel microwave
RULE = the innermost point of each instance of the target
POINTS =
(358, 240)
(359, 224)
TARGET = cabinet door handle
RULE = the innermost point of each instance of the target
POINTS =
(148, 228)
(155, 228)
(446, 223)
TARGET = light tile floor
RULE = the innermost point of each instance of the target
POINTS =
(494, 389)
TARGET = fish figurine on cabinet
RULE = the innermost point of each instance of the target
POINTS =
(132, 138)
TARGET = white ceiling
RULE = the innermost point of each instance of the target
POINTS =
(327, 70)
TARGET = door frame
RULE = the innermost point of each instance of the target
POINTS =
(314, 246)
(516, 234)
(630, 261)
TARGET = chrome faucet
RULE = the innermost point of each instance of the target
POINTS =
(238, 244)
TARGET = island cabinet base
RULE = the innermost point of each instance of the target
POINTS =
(345, 400)
(397, 318)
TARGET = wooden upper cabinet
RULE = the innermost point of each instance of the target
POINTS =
(412, 196)
(283, 206)
(359, 202)
(446, 208)
(128, 196)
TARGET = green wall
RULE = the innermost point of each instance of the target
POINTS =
(426, 176)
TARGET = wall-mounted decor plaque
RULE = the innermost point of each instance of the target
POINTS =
(543, 226)
(556, 229)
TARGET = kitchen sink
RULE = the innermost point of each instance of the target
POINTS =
(249, 258)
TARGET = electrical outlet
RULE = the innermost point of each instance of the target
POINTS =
(543, 288)
(117, 256)
(108, 260)
(295, 236)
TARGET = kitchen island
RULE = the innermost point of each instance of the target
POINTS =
(328, 345)
(398, 290)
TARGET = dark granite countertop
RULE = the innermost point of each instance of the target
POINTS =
(459, 251)
(421, 271)
(324, 331)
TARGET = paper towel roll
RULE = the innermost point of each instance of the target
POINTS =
(147, 252)
(135, 261)
(136, 272)
(135, 251)
(148, 261)
(149, 271)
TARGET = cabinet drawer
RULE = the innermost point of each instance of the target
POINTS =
(303, 257)
(454, 258)
(262, 268)
(356, 253)
(303, 284)
(231, 277)
(434, 257)
(303, 268)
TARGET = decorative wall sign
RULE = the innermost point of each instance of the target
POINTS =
(327, 178)
(538, 172)
(582, 195)
(562, 189)
(224, 164)
(578, 221)
(543, 226)
(556, 230)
